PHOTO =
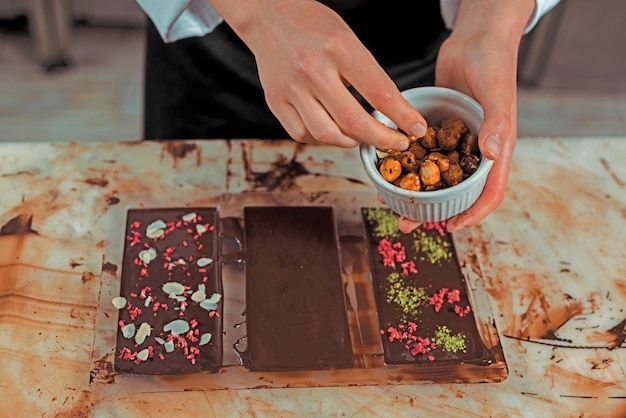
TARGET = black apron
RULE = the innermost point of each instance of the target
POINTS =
(208, 87)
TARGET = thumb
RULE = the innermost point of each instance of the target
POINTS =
(496, 127)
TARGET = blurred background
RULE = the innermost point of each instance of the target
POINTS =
(72, 70)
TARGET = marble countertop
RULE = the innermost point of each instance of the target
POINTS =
(552, 256)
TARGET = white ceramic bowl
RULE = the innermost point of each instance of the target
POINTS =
(435, 104)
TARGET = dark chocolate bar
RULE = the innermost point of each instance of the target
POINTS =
(295, 305)
(171, 293)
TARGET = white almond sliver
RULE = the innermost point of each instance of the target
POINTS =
(210, 304)
(201, 229)
(204, 261)
(205, 338)
(147, 255)
(119, 302)
(173, 288)
(198, 296)
(190, 216)
(215, 298)
(176, 327)
(143, 354)
(143, 331)
(128, 330)
(155, 229)
(169, 346)
(159, 340)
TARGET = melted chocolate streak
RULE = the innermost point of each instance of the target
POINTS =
(620, 336)
(18, 225)
(282, 173)
(617, 180)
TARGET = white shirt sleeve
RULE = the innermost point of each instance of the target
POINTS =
(449, 9)
(178, 19)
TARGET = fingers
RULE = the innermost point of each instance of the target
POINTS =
(496, 127)
(336, 105)
(492, 195)
(406, 225)
(496, 137)
(355, 122)
(368, 78)
(312, 126)
(334, 117)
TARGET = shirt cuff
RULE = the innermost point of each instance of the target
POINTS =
(178, 19)
(449, 10)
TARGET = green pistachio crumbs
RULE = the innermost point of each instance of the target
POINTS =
(409, 298)
(435, 248)
(385, 222)
(448, 342)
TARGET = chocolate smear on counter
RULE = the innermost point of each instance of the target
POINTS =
(18, 225)
(281, 175)
(103, 371)
(179, 150)
(109, 268)
(112, 200)
(87, 277)
(74, 264)
(617, 180)
(620, 333)
(97, 181)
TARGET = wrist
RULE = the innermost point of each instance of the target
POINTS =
(242, 15)
(504, 19)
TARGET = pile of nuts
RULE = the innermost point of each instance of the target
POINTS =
(445, 156)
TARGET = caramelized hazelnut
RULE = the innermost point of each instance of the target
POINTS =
(468, 144)
(448, 138)
(429, 173)
(409, 181)
(444, 157)
(380, 153)
(390, 168)
(454, 175)
(456, 125)
(408, 161)
(469, 163)
(418, 151)
(429, 140)
(454, 156)
(441, 160)
(437, 186)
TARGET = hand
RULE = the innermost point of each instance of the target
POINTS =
(480, 60)
(307, 56)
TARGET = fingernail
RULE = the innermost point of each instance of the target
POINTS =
(402, 145)
(493, 145)
(454, 226)
(418, 130)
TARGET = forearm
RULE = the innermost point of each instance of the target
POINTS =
(244, 15)
(504, 19)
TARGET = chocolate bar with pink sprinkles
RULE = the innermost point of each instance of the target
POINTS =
(423, 305)
(170, 304)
